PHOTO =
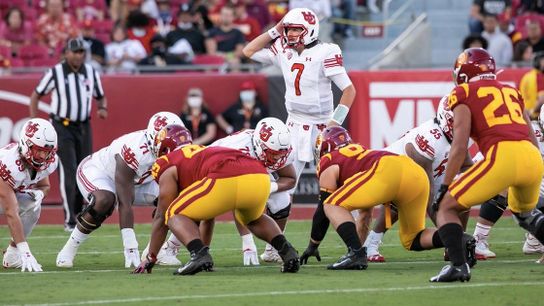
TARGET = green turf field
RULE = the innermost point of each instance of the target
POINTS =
(98, 276)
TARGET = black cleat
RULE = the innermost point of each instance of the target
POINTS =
(452, 273)
(290, 258)
(470, 249)
(351, 261)
(200, 261)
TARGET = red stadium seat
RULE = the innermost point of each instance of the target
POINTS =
(5, 52)
(46, 62)
(205, 59)
(33, 52)
(17, 62)
(103, 28)
(6, 4)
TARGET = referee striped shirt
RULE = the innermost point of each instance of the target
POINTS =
(72, 90)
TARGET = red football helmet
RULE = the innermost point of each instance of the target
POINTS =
(330, 139)
(170, 138)
(471, 63)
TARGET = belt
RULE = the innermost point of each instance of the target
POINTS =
(66, 121)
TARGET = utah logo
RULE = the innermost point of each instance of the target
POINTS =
(309, 17)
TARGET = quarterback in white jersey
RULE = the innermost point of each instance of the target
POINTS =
(119, 173)
(24, 181)
(308, 67)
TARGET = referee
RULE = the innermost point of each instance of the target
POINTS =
(73, 85)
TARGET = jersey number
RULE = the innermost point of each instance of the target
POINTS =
(191, 150)
(354, 150)
(300, 68)
(501, 97)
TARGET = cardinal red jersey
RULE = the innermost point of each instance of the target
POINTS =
(351, 159)
(195, 162)
(496, 112)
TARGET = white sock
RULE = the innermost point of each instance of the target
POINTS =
(76, 238)
(174, 240)
(373, 236)
(247, 242)
(481, 232)
(129, 238)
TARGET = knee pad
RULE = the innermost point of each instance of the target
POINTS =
(280, 214)
(493, 209)
(94, 218)
(416, 243)
(532, 221)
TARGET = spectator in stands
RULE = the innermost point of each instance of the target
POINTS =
(536, 6)
(481, 8)
(14, 30)
(165, 17)
(248, 25)
(123, 54)
(139, 27)
(244, 113)
(96, 52)
(509, 29)
(323, 10)
(54, 27)
(225, 40)
(201, 17)
(258, 10)
(499, 44)
(523, 54)
(531, 86)
(186, 30)
(120, 9)
(90, 10)
(160, 57)
(474, 41)
(198, 120)
(534, 35)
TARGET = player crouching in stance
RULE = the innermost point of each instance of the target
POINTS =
(198, 183)
(491, 113)
(24, 182)
(119, 173)
(353, 177)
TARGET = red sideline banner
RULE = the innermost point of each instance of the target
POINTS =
(389, 103)
(132, 100)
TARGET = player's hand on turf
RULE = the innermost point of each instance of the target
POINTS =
(310, 251)
(439, 196)
(146, 265)
(132, 258)
(250, 257)
(30, 263)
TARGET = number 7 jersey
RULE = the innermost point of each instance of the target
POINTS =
(308, 92)
(496, 112)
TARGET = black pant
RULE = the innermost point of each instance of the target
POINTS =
(74, 144)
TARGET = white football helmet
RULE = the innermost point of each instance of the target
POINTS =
(38, 143)
(444, 118)
(300, 18)
(272, 143)
(156, 123)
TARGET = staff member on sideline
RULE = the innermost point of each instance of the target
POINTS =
(74, 84)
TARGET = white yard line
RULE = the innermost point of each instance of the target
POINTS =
(298, 292)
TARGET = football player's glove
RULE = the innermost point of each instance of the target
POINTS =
(29, 262)
(146, 265)
(250, 257)
(311, 250)
(439, 196)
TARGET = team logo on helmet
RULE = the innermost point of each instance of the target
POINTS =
(265, 132)
(160, 122)
(309, 17)
(31, 129)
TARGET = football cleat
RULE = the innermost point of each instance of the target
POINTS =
(200, 261)
(532, 245)
(12, 259)
(167, 255)
(351, 261)
(482, 251)
(290, 259)
(452, 273)
(470, 249)
(65, 258)
(375, 258)
(270, 255)
(372, 251)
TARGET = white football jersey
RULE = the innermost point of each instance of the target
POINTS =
(539, 136)
(243, 141)
(135, 152)
(429, 141)
(308, 94)
(14, 171)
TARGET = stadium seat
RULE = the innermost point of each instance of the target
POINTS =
(102, 29)
(5, 52)
(6, 4)
(33, 52)
(205, 59)
(45, 62)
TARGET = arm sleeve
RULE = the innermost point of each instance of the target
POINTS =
(333, 62)
(341, 80)
(424, 144)
(160, 165)
(47, 83)
(268, 55)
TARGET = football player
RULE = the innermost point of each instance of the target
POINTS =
(24, 182)
(198, 183)
(353, 177)
(118, 174)
(308, 67)
(492, 114)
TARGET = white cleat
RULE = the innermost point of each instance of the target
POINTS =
(167, 255)
(65, 258)
(12, 259)
(483, 252)
(373, 251)
(532, 245)
(271, 255)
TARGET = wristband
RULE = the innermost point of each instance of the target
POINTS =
(340, 114)
(23, 247)
(274, 33)
(273, 187)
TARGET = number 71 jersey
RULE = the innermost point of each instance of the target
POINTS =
(308, 92)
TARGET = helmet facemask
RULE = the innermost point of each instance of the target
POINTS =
(273, 159)
(290, 41)
(39, 157)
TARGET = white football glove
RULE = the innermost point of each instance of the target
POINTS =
(36, 195)
(250, 257)
(29, 262)
(132, 258)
